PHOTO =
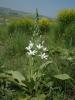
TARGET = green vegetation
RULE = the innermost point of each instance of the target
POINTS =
(37, 58)
(44, 25)
(67, 16)
(22, 25)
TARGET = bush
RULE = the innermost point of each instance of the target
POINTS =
(27, 26)
(70, 35)
(65, 17)
(44, 25)
(21, 25)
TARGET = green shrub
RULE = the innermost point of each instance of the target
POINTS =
(65, 17)
(44, 25)
(70, 35)
(21, 25)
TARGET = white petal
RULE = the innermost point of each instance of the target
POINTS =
(45, 49)
(28, 48)
(31, 44)
(32, 52)
(43, 56)
(39, 46)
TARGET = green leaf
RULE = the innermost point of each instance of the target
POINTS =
(62, 77)
(3, 76)
(16, 76)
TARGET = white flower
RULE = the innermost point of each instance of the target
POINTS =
(45, 49)
(43, 56)
(39, 46)
(28, 48)
(31, 44)
(32, 52)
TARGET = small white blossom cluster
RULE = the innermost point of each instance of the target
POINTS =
(37, 49)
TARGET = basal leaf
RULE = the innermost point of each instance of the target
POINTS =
(17, 76)
(62, 77)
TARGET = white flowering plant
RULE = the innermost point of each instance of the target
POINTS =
(36, 51)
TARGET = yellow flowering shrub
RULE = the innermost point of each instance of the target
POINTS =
(21, 25)
(66, 16)
(44, 25)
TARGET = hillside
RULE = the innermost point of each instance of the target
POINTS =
(7, 14)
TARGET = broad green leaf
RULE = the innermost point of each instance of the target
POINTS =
(3, 76)
(62, 77)
(17, 76)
